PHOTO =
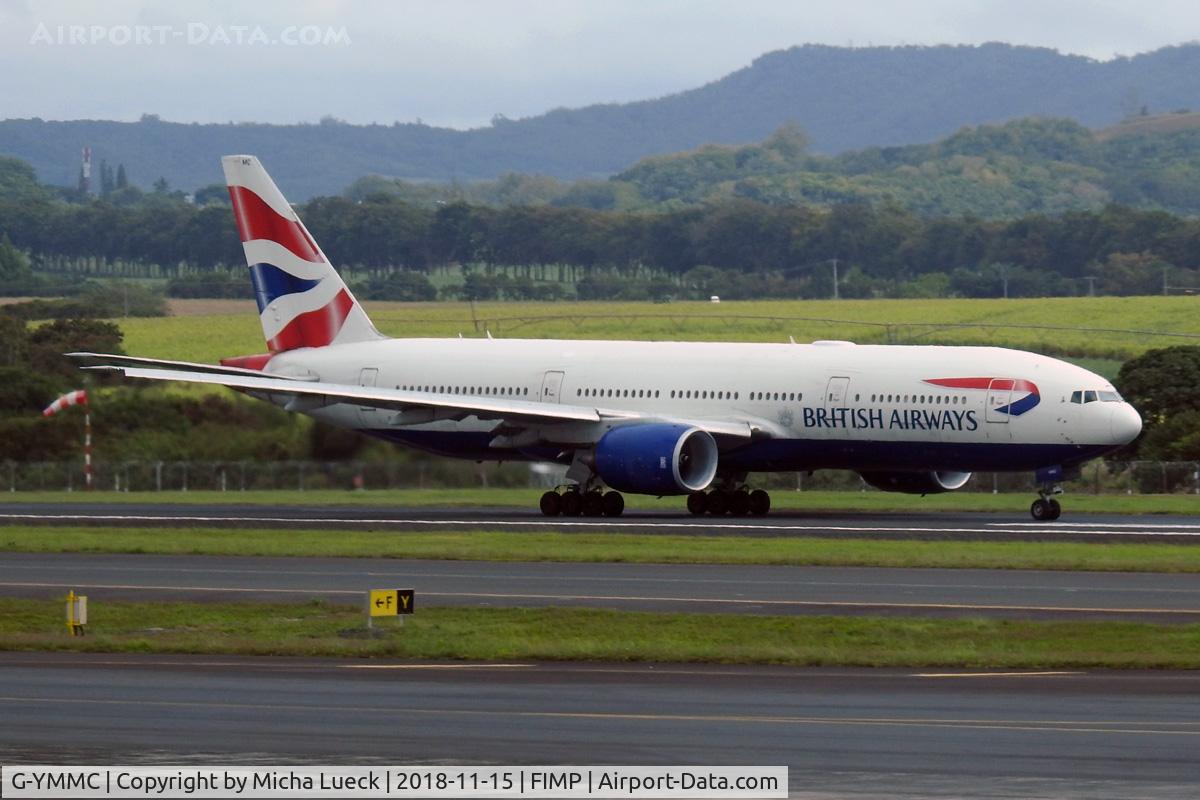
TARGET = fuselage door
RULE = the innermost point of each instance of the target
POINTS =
(999, 396)
(836, 391)
(367, 378)
(552, 386)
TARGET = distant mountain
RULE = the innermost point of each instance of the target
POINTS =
(843, 98)
(1025, 166)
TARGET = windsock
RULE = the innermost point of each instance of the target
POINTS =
(76, 398)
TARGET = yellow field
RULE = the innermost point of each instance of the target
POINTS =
(1097, 328)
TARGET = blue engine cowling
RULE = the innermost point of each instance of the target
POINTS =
(917, 482)
(657, 458)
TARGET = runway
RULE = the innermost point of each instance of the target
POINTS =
(742, 589)
(860, 733)
(928, 526)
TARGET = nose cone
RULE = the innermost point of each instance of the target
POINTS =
(1126, 424)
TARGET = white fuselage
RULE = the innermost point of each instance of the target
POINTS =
(822, 405)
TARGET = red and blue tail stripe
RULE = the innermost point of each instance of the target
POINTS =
(257, 220)
(310, 327)
(271, 283)
(1015, 408)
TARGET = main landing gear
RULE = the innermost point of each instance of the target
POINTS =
(738, 502)
(1046, 508)
(571, 502)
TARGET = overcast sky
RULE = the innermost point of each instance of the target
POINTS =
(459, 62)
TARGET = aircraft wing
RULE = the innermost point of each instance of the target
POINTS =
(309, 394)
(111, 361)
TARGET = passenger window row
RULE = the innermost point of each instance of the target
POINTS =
(616, 392)
(486, 391)
(920, 399)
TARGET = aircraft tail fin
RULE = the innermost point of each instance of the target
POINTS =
(302, 301)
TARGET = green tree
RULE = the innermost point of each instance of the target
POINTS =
(1164, 386)
(49, 342)
(14, 266)
(1131, 274)
(14, 341)
(404, 285)
(107, 183)
(19, 182)
(213, 194)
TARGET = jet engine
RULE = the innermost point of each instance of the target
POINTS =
(934, 482)
(657, 458)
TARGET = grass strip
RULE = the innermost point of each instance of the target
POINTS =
(559, 634)
(1100, 327)
(606, 547)
(784, 500)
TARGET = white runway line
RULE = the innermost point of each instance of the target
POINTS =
(1147, 526)
(722, 601)
(1109, 529)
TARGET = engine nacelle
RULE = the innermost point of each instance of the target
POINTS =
(917, 482)
(657, 458)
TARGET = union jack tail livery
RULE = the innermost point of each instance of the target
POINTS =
(302, 301)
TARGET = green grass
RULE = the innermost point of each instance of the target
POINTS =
(1025, 324)
(317, 629)
(783, 500)
(606, 547)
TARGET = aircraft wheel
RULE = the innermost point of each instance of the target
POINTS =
(739, 503)
(572, 504)
(697, 503)
(593, 504)
(614, 504)
(551, 504)
(1055, 509)
(718, 502)
(1041, 510)
(760, 503)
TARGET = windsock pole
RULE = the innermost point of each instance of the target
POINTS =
(87, 447)
(78, 398)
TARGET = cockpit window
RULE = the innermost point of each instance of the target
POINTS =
(1094, 395)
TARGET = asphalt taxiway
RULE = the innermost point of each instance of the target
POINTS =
(928, 526)
(859, 733)
(710, 588)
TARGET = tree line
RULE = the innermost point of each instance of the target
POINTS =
(774, 250)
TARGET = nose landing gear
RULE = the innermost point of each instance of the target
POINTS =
(1046, 508)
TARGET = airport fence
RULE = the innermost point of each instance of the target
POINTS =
(1099, 477)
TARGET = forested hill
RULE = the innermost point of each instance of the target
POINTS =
(1020, 167)
(844, 98)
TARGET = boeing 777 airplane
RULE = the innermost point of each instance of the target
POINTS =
(657, 418)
